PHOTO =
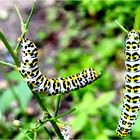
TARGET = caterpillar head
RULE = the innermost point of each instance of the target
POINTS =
(134, 35)
(133, 40)
(27, 46)
(21, 40)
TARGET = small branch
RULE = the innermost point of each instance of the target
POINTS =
(38, 125)
(64, 114)
(57, 105)
(19, 15)
(55, 126)
(121, 26)
(24, 26)
(30, 15)
(35, 135)
(10, 49)
(48, 132)
(137, 19)
(8, 64)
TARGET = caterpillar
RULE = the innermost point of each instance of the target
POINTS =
(64, 131)
(40, 83)
(131, 103)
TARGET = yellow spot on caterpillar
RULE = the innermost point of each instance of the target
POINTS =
(73, 79)
(131, 37)
(48, 81)
(56, 83)
(66, 83)
(27, 64)
(34, 85)
(27, 53)
(28, 41)
(19, 39)
(60, 125)
(131, 46)
(18, 68)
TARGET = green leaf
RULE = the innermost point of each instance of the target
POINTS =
(104, 99)
(22, 91)
(5, 100)
(79, 122)
(15, 75)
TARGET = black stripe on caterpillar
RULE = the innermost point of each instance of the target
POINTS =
(40, 83)
(131, 103)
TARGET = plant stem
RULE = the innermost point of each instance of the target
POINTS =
(35, 135)
(64, 114)
(55, 126)
(19, 15)
(137, 19)
(30, 15)
(57, 105)
(121, 26)
(10, 49)
(24, 26)
(8, 64)
(48, 132)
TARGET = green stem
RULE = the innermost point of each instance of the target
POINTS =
(19, 15)
(57, 105)
(30, 15)
(38, 125)
(55, 126)
(10, 49)
(25, 25)
(137, 19)
(121, 26)
(64, 114)
(48, 132)
(35, 135)
(8, 64)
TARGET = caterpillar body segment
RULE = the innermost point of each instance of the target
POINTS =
(40, 83)
(131, 104)
(64, 131)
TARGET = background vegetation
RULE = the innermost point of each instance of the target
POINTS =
(71, 36)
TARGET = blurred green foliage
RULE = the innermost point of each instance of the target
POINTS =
(88, 37)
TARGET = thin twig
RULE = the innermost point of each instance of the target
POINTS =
(19, 15)
(8, 64)
(35, 135)
(24, 26)
(48, 132)
(66, 113)
(121, 26)
(137, 19)
(10, 49)
(57, 105)
(56, 128)
(30, 15)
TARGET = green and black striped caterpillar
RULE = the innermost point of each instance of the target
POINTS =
(131, 103)
(40, 83)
